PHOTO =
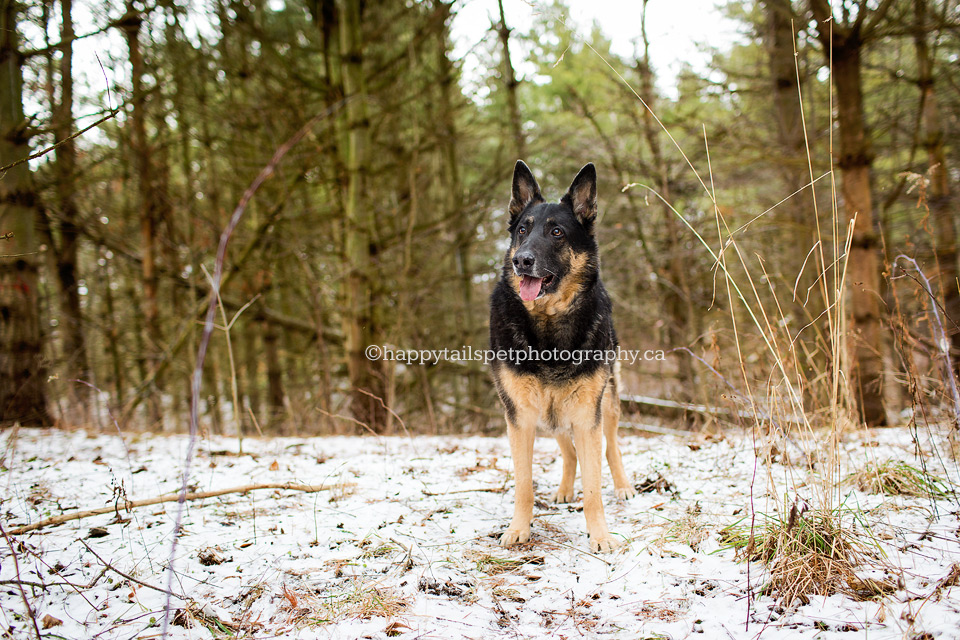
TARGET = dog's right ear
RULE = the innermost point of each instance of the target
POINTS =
(525, 190)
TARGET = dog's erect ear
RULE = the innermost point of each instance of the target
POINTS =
(582, 196)
(525, 189)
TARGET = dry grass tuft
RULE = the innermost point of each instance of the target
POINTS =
(494, 565)
(352, 600)
(372, 551)
(657, 483)
(897, 478)
(735, 536)
(689, 530)
(340, 491)
(811, 554)
(952, 579)
(664, 611)
(508, 593)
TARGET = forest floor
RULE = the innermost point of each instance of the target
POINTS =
(402, 541)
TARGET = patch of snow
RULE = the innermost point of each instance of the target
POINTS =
(403, 543)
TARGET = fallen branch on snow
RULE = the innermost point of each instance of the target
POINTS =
(174, 497)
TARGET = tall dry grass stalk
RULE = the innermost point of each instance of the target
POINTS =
(226, 328)
(809, 549)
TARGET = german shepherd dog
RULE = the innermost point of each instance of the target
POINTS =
(550, 300)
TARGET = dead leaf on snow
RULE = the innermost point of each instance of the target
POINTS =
(48, 622)
(395, 629)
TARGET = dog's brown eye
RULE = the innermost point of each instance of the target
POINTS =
(522, 230)
(557, 232)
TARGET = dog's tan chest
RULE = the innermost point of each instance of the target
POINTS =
(554, 407)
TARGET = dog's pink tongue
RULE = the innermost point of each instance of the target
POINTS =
(529, 287)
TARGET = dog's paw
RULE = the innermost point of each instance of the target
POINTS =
(604, 544)
(564, 496)
(511, 537)
(624, 493)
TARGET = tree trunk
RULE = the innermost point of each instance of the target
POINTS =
(863, 267)
(671, 270)
(112, 329)
(251, 376)
(511, 82)
(798, 216)
(863, 264)
(74, 344)
(453, 192)
(131, 23)
(361, 327)
(22, 376)
(939, 197)
(271, 342)
(325, 16)
(211, 373)
(791, 162)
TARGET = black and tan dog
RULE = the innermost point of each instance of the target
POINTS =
(551, 305)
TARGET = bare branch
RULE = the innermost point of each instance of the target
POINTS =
(876, 17)
(172, 497)
(53, 147)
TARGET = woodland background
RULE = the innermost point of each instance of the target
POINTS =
(386, 223)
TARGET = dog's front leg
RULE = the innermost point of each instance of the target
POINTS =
(588, 439)
(521, 432)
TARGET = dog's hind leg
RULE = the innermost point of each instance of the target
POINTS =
(521, 432)
(611, 420)
(569, 452)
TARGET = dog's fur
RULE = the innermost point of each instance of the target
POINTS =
(550, 297)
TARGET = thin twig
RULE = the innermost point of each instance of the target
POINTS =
(942, 341)
(80, 589)
(23, 594)
(256, 423)
(431, 494)
(54, 146)
(47, 585)
(338, 416)
(581, 552)
(227, 326)
(129, 577)
(384, 405)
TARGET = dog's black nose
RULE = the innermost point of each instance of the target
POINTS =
(523, 260)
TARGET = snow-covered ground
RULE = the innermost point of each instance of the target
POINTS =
(402, 542)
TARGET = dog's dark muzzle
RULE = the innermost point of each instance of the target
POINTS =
(533, 283)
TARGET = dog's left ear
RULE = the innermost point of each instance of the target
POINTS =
(582, 196)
